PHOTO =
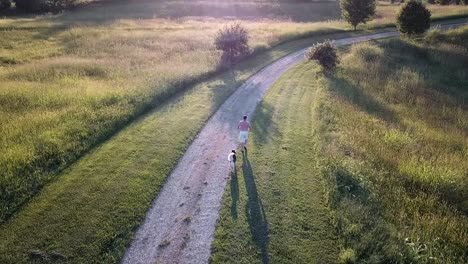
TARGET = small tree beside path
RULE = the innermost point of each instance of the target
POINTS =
(357, 11)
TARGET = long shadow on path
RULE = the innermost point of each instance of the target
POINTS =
(254, 211)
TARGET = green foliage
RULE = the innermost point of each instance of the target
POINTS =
(325, 54)
(37, 6)
(413, 18)
(5, 4)
(233, 41)
(357, 11)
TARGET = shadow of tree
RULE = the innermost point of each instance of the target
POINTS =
(228, 80)
(264, 127)
(440, 76)
(435, 65)
(254, 211)
(450, 192)
(354, 94)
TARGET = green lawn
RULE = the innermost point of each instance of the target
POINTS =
(387, 133)
(71, 80)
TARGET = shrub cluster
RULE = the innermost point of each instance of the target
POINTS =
(325, 54)
(233, 40)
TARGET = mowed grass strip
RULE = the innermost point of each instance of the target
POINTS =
(394, 137)
(89, 213)
(69, 81)
(275, 210)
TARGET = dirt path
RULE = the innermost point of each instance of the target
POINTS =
(180, 225)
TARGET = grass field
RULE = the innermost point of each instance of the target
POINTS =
(399, 109)
(90, 211)
(69, 81)
(387, 133)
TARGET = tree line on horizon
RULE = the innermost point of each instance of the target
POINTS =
(413, 19)
(37, 6)
(44, 6)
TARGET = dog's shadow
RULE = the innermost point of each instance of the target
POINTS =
(234, 192)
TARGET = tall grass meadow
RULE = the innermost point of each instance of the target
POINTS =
(394, 131)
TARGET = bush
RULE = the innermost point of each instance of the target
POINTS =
(325, 55)
(5, 4)
(37, 6)
(357, 11)
(413, 18)
(233, 41)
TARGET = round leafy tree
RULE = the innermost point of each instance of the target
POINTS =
(413, 18)
(233, 40)
(325, 55)
(357, 11)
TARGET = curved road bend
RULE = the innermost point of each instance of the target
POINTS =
(179, 227)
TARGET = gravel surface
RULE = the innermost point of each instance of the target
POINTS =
(179, 227)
